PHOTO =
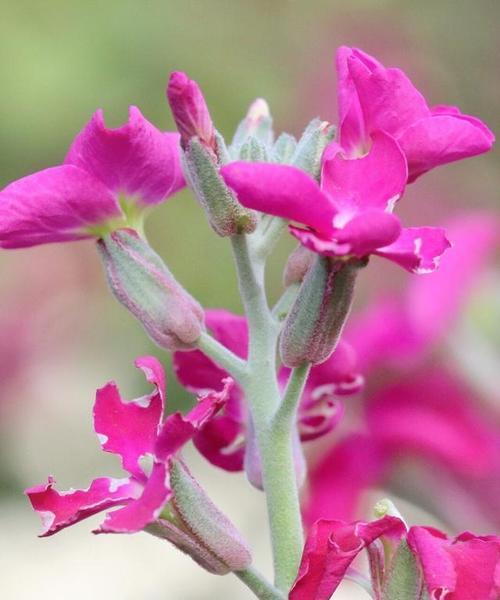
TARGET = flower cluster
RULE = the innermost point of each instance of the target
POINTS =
(337, 195)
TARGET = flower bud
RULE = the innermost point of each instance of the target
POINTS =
(225, 214)
(254, 151)
(284, 148)
(315, 321)
(297, 265)
(257, 124)
(190, 110)
(141, 282)
(403, 579)
(316, 137)
(194, 524)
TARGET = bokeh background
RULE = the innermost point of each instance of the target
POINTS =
(63, 335)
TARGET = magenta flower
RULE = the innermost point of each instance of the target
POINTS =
(108, 177)
(428, 412)
(134, 431)
(459, 568)
(349, 214)
(226, 438)
(372, 98)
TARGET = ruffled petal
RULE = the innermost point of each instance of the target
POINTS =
(280, 190)
(139, 513)
(388, 99)
(440, 138)
(130, 428)
(58, 510)
(59, 204)
(135, 159)
(330, 549)
(178, 429)
(361, 236)
(372, 182)
(417, 249)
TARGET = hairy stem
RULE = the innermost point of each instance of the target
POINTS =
(234, 365)
(259, 584)
(284, 419)
(263, 395)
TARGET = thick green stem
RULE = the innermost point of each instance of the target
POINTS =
(285, 417)
(222, 356)
(259, 584)
(263, 395)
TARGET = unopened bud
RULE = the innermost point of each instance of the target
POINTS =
(316, 137)
(193, 523)
(225, 214)
(297, 265)
(313, 326)
(140, 281)
(258, 124)
(190, 110)
(284, 148)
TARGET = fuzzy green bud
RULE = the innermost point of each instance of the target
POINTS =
(316, 137)
(315, 322)
(142, 283)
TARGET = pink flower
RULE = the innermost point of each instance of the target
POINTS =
(134, 431)
(460, 568)
(349, 214)
(228, 436)
(424, 410)
(190, 110)
(331, 547)
(372, 98)
(108, 177)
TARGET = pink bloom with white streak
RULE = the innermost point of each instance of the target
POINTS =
(106, 173)
(134, 431)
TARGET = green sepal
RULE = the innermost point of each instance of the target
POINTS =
(316, 137)
(225, 214)
(284, 148)
(404, 579)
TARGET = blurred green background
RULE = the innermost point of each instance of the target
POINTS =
(60, 60)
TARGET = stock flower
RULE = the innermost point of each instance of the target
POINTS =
(134, 431)
(108, 178)
(224, 440)
(426, 412)
(459, 568)
(349, 214)
(372, 98)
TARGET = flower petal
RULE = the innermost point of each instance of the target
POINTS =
(139, 513)
(280, 190)
(59, 204)
(130, 428)
(178, 429)
(135, 159)
(417, 249)
(62, 509)
(440, 138)
(388, 99)
(330, 549)
(374, 181)
(361, 236)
